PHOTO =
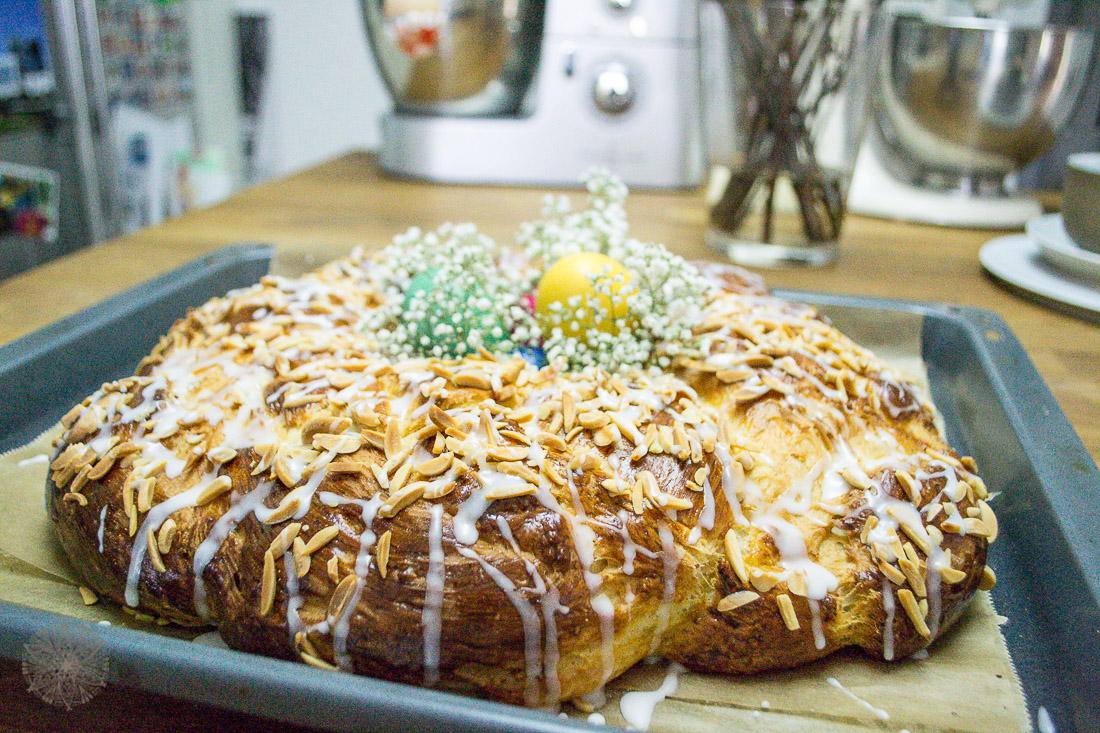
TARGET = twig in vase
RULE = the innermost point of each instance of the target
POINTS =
(781, 77)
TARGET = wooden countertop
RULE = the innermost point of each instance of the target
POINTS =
(325, 211)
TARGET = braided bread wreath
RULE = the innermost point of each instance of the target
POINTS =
(491, 527)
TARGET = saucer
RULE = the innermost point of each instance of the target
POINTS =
(1057, 247)
(1017, 261)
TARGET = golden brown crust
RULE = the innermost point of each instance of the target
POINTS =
(519, 534)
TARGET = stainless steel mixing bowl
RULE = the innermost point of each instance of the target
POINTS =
(968, 102)
(455, 57)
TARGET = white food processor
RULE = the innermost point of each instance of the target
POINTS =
(967, 95)
(537, 91)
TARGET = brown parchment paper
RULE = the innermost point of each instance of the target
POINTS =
(965, 683)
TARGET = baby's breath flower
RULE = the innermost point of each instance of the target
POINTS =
(447, 294)
(664, 297)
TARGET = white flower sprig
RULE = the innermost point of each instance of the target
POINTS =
(451, 292)
(664, 296)
(447, 294)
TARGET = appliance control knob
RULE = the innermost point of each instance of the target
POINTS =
(613, 90)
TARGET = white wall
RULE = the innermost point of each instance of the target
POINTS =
(322, 94)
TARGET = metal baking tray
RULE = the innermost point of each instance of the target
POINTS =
(995, 407)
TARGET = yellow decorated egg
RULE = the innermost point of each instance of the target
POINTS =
(582, 291)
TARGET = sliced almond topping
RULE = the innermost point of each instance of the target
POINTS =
(435, 466)
(321, 538)
(593, 419)
(637, 497)
(302, 559)
(508, 492)
(603, 437)
(975, 526)
(550, 441)
(380, 475)
(267, 585)
(75, 498)
(796, 583)
(267, 455)
(894, 575)
(910, 484)
(952, 575)
(551, 472)
(286, 509)
(568, 411)
(511, 373)
(401, 499)
(154, 551)
(332, 567)
(675, 502)
(989, 519)
(145, 494)
(317, 661)
(473, 380)
(221, 454)
(166, 534)
(215, 489)
(345, 443)
(912, 610)
(989, 579)
(520, 470)
(341, 597)
(382, 552)
(736, 600)
(88, 596)
(733, 555)
(507, 453)
(391, 444)
(283, 472)
(400, 476)
(284, 539)
(763, 582)
(786, 609)
(729, 376)
(100, 469)
(516, 436)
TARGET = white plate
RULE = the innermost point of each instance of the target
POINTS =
(1057, 246)
(1016, 261)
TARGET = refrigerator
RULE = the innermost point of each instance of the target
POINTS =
(107, 108)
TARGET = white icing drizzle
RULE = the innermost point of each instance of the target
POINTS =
(532, 636)
(99, 532)
(1043, 722)
(34, 460)
(431, 616)
(888, 625)
(877, 712)
(206, 550)
(706, 517)
(293, 599)
(637, 707)
(729, 487)
(154, 519)
(670, 560)
(363, 563)
(549, 605)
(815, 623)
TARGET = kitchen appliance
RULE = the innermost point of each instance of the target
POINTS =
(964, 102)
(535, 92)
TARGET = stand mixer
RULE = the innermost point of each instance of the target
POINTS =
(968, 94)
(535, 92)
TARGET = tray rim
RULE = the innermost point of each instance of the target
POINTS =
(1009, 369)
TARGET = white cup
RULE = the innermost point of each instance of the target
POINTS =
(1081, 200)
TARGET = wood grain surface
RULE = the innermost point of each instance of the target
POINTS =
(323, 212)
